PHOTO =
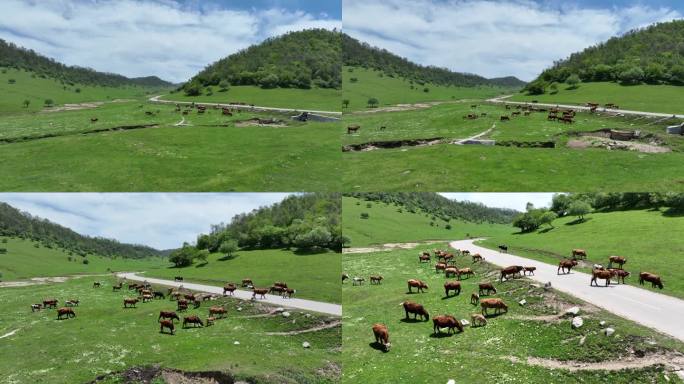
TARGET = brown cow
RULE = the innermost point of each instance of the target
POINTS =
(416, 309)
(579, 254)
(651, 278)
(477, 257)
(376, 279)
(130, 301)
(230, 288)
(566, 264)
(497, 304)
(167, 324)
(72, 303)
(182, 305)
(96, 284)
(210, 320)
(68, 312)
(147, 297)
(465, 271)
(619, 260)
(530, 270)
(450, 271)
(512, 270)
(259, 291)
(440, 266)
(600, 274)
(50, 303)
(620, 274)
(417, 284)
(353, 129)
(192, 319)
(487, 288)
(168, 315)
(505, 118)
(276, 289)
(216, 310)
(281, 284)
(474, 298)
(452, 286)
(446, 321)
(247, 282)
(381, 336)
(424, 257)
(117, 287)
(289, 292)
(477, 320)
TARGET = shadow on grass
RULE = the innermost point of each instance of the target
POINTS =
(306, 252)
(545, 230)
(494, 315)
(202, 265)
(412, 320)
(449, 297)
(673, 212)
(228, 257)
(378, 346)
(578, 221)
(439, 335)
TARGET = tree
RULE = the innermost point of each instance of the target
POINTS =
(201, 256)
(26, 103)
(654, 73)
(85, 261)
(631, 76)
(579, 208)
(183, 257)
(553, 88)
(193, 90)
(228, 248)
(373, 102)
(318, 237)
(269, 81)
(560, 203)
(677, 74)
(49, 102)
(223, 86)
(345, 103)
(573, 81)
(364, 215)
(537, 87)
(547, 218)
(77, 90)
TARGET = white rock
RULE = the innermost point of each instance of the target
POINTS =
(465, 322)
(602, 323)
(522, 302)
(451, 381)
(577, 322)
(278, 310)
(547, 286)
(236, 342)
(609, 331)
(306, 344)
(239, 309)
(574, 311)
(308, 315)
(582, 340)
(534, 285)
(286, 314)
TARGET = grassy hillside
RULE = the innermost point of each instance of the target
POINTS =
(104, 337)
(23, 260)
(417, 355)
(648, 239)
(396, 90)
(314, 276)
(385, 224)
(647, 98)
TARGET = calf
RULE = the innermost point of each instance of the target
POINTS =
(450, 271)
(276, 289)
(288, 292)
(159, 295)
(358, 281)
(465, 271)
(505, 118)
(566, 264)
(512, 271)
(50, 303)
(529, 270)
(210, 320)
(381, 335)
(344, 277)
(477, 320)
(130, 302)
(168, 315)
(497, 304)
(182, 305)
(474, 298)
(216, 310)
(192, 319)
(96, 284)
(651, 278)
(416, 309)
(376, 279)
(424, 258)
(620, 274)
(486, 288)
(68, 312)
(503, 248)
(417, 284)
(446, 321)
(36, 307)
(178, 278)
(147, 298)
(71, 303)
(452, 286)
(477, 257)
(600, 274)
(117, 287)
(353, 129)
(619, 260)
(259, 291)
(168, 324)
(579, 254)
(230, 288)
(440, 267)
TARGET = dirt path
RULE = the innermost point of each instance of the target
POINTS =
(308, 305)
(181, 123)
(156, 99)
(673, 360)
(43, 280)
(388, 247)
(462, 141)
(649, 308)
(317, 328)
(8, 334)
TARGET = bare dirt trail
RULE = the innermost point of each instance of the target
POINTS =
(308, 305)
(661, 312)
(156, 99)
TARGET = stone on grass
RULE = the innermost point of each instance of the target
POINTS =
(278, 310)
(286, 314)
(522, 302)
(236, 342)
(609, 331)
(465, 322)
(577, 322)
(306, 344)
(451, 381)
(602, 323)
(573, 311)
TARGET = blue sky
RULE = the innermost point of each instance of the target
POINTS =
(160, 220)
(171, 39)
(497, 37)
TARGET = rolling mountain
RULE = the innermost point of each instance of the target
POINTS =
(13, 56)
(302, 59)
(652, 55)
(23, 225)
(358, 54)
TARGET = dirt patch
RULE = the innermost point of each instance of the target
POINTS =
(620, 145)
(401, 107)
(320, 327)
(330, 370)
(90, 132)
(256, 122)
(373, 145)
(8, 334)
(74, 107)
(527, 144)
(43, 280)
(673, 360)
(147, 375)
(387, 247)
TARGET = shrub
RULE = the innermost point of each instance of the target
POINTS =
(365, 215)
(353, 80)
(85, 261)
(631, 76)
(573, 81)
(49, 102)
(11, 81)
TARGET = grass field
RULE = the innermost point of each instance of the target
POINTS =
(314, 276)
(104, 337)
(385, 224)
(646, 238)
(391, 91)
(484, 353)
(646, 98)
(322, 99)
(23, 260)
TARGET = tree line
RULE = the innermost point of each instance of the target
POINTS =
(15, 223)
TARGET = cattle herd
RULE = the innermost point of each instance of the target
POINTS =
(446, 264)
(183, 297)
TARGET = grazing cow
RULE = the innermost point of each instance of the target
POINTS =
(512, 270)
(551, 117)
(72, 303)
(440, 267)
(50, 303)
(515, 114)
(189, 296)
(382, 128)
(452, 286)
(281, 284)
(159, 294)
(424, 257)
(451, 271)
(353, 129)
(620, 274)
(619, 260)
(344, 277)
(566, 264)
(381, 335)
(178, 278)
(147, 297)
(600, 274)
(182, 305)
(210, 320)
(579, 254)
(651, 278)
(117, 287)
(168, 324)
(474, 298)
(96, 284)
(507, 106)
(566, 119)
(529, 270)
(93, 119)
(473, 106)
(464, 271)
(358, 281)
(168, 315)
(175, 295)
(477, 257)
(276, 289)
(486, 288)
(130, 302)
(192, 319)
(289, 292)
(465, 252)
(247, 282)
(259, 291)
(230, 288)
(68, 312)
(216, 310)
(497, 304)
(446, 321)
(416, 309)
(503, 248)
(132, 286)
(505, 118)
(36, 307)
(376, 279)
(417, 284)
(477, 320)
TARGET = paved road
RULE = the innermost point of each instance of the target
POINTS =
(308, 305)
(654, 310)
(502, 100)
(155, 99)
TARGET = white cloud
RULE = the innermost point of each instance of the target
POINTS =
(517, 201)
(490, 38)
(142, 38)
(160, 220)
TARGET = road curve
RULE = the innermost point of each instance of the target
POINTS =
(502, 100)
(652, 309)
(308, 305)
(155, 99)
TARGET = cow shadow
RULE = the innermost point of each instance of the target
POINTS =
(377, 346)
(228, 257)
(440, 335)
(492, 315)
(411, 320)
(578, 221)
(545, 230)
(449, 297)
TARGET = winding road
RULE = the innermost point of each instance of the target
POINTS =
(502, 100)
(308, 305)
(661, 312)
(156, 99)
